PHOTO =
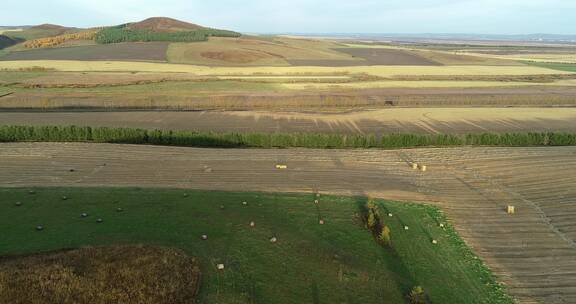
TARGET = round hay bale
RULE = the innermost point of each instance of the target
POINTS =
(390, 214)
(434, 242)
(273, 239)
(252, 224)
(221, 207)
(185, 194)
(321, 222)
(39, 228)
(414, 166)
(441, 225)
(245, 203)
(220, 266)
(99, 221)
(424, 168)
(204, 237)
(406, 227)
(31, 192)
(84, 215)
(316, 202)
(119, 209)
(18, 204)
(64, 197)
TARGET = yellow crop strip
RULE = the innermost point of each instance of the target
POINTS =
(383, 71)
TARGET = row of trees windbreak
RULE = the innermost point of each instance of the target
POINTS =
(121, 34)
(275, 140)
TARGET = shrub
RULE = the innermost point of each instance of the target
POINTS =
(384, 236)
(417, 296)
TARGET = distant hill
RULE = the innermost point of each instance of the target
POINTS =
(48, 26)
(6, 41)
(164, 25)
(41, 31)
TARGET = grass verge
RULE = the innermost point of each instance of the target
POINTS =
(337, 262)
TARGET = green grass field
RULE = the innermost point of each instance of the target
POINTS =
(556, 66)
(338, 262)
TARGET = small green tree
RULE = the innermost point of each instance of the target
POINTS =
(384, 236)
(417, 295)
(371, 220)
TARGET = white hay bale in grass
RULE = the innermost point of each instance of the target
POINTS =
(434, 242)
(245, 203)
(39, 228)
(511, 209)
(273, 239)
(441, 225)
(406, 228)
(252, 224)
(424, 168)
(321, 222)
(414, 166)
(18, 204)
(204, 237)
(220, 266)
(390, 214)
(316, 201)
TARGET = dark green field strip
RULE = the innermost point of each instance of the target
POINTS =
(338, 262)
(276, 140)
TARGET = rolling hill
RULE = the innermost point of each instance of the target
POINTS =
(164, 25)
(6, 41)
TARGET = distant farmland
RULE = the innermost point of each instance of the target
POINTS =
(151, 51)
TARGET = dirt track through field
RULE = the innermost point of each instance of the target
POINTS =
(403, 120)
(533, 251)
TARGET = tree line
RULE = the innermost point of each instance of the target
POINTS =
(58, 40)
(121, 34)
(276, 140)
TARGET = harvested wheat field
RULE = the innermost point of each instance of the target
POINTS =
(123, 274)
(473, 186)
(383, 121)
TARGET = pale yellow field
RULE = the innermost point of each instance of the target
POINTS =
(383, 71)
(421, 84)
(544, 58)
(2, 31)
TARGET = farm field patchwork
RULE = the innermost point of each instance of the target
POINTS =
(472, 185)
(336, 261)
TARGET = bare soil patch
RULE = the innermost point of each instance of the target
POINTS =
(383, 121)
(371, 56)
(101, 275)
(137, 51)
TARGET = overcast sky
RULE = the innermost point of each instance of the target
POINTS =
(311, 16)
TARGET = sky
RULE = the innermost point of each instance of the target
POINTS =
(311, 16)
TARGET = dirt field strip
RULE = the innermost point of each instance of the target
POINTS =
(392, 120)
(383, 71)
(532, 251)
